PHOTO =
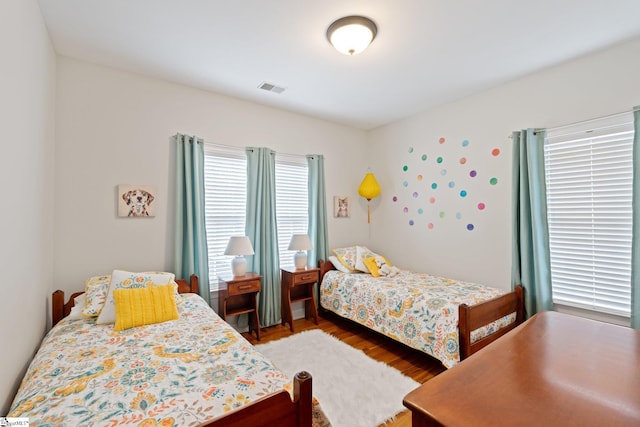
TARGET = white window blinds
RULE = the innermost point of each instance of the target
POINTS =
(589, 173)
(291, 203)
(225, 181)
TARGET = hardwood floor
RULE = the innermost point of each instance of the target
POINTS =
(412, 363)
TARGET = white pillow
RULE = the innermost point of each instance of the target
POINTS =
(338, 265)
(76, 310)
(127, 280)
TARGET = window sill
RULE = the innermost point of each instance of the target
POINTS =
(594, 315)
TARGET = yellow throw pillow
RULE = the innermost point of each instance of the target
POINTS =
(372, 265)
(144, 306)
(121, 279)
(370, 262)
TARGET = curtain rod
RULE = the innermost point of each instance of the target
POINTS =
(609, 116)
(582, 121)
(273, 152)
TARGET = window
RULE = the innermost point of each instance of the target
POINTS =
(226, 199)
(292, 203)
(589, 173)
(225, 189)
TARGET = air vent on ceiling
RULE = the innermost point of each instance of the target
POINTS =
(270, 87)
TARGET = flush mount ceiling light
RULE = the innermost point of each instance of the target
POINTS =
(352, 34)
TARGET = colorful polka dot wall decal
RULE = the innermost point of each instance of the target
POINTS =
(440, 184)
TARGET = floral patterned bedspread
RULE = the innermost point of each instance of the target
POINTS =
(414, 308)
(177, 373)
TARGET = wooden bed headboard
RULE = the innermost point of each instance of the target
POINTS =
(61, 309)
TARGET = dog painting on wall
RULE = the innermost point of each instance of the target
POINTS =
(136, 200)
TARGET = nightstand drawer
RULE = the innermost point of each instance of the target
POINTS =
(310, 277)
(244, 287)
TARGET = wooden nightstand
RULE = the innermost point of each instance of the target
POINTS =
(239, 295)
(298, 285)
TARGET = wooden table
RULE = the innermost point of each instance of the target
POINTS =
(553, 370)
(239, 295)
(298, 285)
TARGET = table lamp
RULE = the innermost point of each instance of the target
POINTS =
(300, 243)
(239, 246)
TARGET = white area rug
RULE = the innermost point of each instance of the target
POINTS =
(354, 390)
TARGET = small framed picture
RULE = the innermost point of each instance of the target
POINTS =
(137, 200)
(341, 207)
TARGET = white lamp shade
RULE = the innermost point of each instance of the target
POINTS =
(300, 242)
(239, 245)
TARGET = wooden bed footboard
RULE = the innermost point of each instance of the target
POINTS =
(472, 317)
(276, 409)
(475, 316)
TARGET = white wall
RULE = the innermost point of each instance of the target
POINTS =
(26, 171)
(589, 87)
(115, 128)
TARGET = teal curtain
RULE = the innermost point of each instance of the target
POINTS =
(191, 255)
(531, 265)
(262, 230)
(318, 230)
(635, 238)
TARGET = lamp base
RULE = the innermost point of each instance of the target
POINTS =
(239, 266)
(300, 259)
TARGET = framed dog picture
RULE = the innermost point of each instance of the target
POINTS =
(136, 200)
(341, 207)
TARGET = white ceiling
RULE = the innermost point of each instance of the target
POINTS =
(426, 53)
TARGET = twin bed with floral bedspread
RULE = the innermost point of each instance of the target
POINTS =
(445, 318)
(190, 371)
